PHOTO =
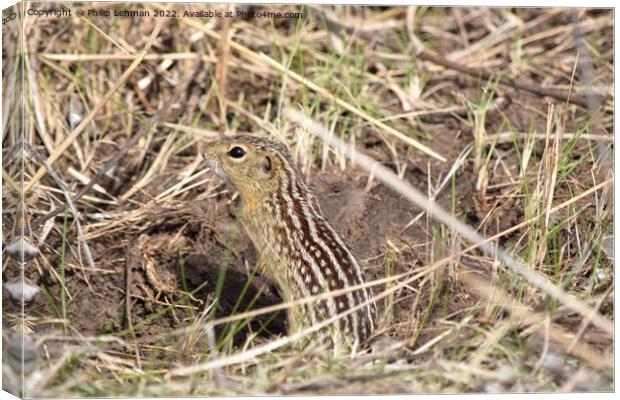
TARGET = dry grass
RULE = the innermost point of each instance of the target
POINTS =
(502, 117)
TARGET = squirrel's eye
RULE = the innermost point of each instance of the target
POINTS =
(236, 152)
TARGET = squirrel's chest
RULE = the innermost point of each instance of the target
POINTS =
(280, 242)
(268, 232)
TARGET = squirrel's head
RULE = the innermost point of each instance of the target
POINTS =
(251, 164)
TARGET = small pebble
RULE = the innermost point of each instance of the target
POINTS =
(601, 274)
(505, 373)
(553, 362)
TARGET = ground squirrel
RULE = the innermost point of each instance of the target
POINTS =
(298, 248)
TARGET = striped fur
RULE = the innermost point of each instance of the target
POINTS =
(299, 249)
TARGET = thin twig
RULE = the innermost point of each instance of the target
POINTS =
(504, 137)
(428, 55)
(222, 70)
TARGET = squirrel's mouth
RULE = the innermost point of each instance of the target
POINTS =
(214, 165)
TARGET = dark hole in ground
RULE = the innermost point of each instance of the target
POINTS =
(239, 293)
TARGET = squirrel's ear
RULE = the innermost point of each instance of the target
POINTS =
(266, 164)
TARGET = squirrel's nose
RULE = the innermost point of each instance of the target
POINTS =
(209, 160)
(207, 153)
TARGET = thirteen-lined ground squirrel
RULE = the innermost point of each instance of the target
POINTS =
(298, 248)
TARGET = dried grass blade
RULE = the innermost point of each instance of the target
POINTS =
(87, 120)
